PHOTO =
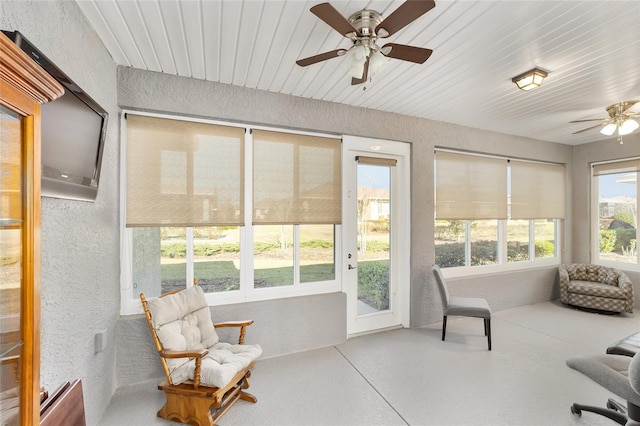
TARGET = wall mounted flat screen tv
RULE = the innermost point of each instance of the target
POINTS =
(73, 129)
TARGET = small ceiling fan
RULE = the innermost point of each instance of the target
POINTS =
(620, 118)
(363, 28)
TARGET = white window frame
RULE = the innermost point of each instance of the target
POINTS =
(503, 265)
(130, 303)
(595, 222)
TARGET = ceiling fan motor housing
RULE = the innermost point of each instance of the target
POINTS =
(366, 21)
(616, 110)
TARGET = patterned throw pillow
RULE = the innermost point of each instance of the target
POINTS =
(612, 277)
(592, 272)
(577, 271)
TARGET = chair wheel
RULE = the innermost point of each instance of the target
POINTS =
(576, 411)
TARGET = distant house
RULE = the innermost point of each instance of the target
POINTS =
(374, 202)
(609, 206)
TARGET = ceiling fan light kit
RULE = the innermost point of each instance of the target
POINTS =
(531, 79)
(609, 129)
(363, 28)
(627, 127)
(620, 118)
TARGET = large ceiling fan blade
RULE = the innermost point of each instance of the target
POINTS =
(634, 109)
(365, 71)
(406, 53)
(333, 18)
(631, 106)
(603, 120)
(588, 128)
(321, 57)
(408, 12)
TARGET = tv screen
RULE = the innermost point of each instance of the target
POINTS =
(73, 129)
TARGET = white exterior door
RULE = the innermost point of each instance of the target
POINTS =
(376, 232)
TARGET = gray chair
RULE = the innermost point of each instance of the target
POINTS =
(617, 373)
(462, 306)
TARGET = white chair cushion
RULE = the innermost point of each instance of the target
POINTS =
(220, 365)
(183, 322)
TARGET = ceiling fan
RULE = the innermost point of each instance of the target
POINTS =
(620, 118)
(363, 28)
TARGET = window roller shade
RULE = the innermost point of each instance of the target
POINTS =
(470, 187)
(296, 179)
(376, 161)
(537, 190)
(183, 173)
(629, 166)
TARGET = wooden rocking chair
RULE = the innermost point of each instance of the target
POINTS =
(204, 377)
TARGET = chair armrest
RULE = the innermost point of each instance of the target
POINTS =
(242, 324)
(233, 324)
(183, 354)
(625, 284)
(198, 355)
(564, 275)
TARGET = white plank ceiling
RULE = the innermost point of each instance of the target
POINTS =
(591, 50)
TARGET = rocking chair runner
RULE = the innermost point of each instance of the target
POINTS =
(204, 377)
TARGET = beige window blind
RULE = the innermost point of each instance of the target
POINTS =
(470, 187)
(376, 161)
(182, 173)
(627, 166)
(537, 190)
(296, 179)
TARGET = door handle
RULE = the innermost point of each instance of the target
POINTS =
(352, 267)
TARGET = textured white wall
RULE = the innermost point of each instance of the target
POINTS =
(80, 251)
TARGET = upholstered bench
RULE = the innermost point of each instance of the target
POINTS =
(628, 346)
(595, 287)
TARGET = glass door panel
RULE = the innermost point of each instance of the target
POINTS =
(10, 263)
(374, 238)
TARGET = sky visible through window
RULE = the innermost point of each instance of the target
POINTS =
(618, 185)
(373, 177)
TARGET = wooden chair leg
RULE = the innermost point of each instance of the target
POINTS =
(444, 326)
(246, 396)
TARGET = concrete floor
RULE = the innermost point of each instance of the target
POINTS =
(411, 377)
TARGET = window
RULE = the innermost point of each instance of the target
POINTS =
(616, 213)
(250, 214)
(493, 213)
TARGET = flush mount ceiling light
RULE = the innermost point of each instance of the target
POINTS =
(620, 119)
(530, 79)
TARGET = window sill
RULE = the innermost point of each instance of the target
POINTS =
(468, 271)
(134, 307)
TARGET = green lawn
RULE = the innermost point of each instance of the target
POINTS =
(216, 269)
(372, 280)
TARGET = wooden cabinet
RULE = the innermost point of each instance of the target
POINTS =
(24, 86)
